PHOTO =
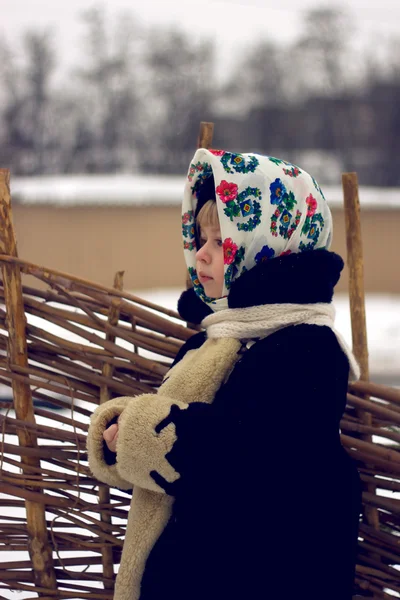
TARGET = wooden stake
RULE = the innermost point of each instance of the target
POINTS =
(104, 490)
(356, 271)
(39, 547)
(205, 135)
(357, 299)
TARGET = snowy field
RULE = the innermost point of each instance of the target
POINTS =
(383, 328)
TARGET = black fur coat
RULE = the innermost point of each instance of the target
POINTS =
(268, 502)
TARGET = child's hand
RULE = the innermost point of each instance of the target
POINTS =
(110, 436)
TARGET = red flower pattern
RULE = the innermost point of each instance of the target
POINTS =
(217, 152)
(227, 191)
(293, 172)
(312, 205)
(230, 251)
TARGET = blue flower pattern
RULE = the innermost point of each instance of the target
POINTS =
(278, 190)
(265, 253)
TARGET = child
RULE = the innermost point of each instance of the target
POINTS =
(241, 488)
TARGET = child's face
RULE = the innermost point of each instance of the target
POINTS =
(210, 261)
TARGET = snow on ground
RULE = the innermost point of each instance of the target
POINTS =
(383, 334)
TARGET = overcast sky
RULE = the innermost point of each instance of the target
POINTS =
(231, 23)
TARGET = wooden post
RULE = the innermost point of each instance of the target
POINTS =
(357, 299)
(205, 135)
(104, 490)
(356, 273)
(39, 548)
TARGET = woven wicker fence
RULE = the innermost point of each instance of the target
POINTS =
(123, 346)
(69, 345)
(103, 343)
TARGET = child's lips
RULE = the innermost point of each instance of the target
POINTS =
(204, 278)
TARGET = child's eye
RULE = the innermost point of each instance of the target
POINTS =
(219, 243)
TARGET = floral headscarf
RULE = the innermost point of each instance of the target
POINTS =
(267, 207)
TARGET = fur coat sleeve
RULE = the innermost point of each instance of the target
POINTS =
(145, 438)
(141, 449)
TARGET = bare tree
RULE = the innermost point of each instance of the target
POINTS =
(382, 97)
(10, 100)
(27, 119)
(323, 60)
(321, 56)
(179, 92)
(38, 75)
(106, 127)
(257, 81)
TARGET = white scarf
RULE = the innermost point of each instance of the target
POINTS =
(262, 321)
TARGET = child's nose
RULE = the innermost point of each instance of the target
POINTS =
(203, 255)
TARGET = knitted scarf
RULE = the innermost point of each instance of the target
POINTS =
(259, 322)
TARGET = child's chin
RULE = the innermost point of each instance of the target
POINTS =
(211, 293)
